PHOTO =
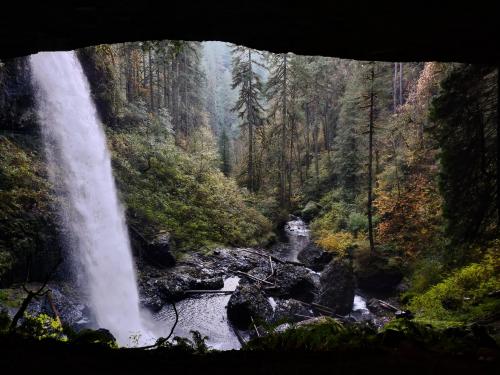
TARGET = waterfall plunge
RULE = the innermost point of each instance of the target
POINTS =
(80, 168)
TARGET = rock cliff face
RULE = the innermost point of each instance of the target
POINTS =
(29, 232)
(16, 97)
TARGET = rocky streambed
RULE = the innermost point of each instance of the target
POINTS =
(291, 282)
(233, 294)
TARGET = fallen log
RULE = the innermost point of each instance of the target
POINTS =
(321, 308)
(304, 316)
(53, 306)
(194, 291)
(277, 260)
(387, 305)
(254, 278)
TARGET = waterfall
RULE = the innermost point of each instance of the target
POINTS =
(80, 169)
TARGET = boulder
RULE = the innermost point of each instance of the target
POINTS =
(310, 211)
(291, 311)
(100, 336)
(296, 282)
(314, 257)
(379, 274)
(248, 302)
(292, 281)
(337, 286)
(158, 250)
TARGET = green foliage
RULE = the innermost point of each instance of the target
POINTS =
(42, 326)
(463, 295)
(165, 188)
(467, 139)
(427, 272)
(196, 346)
(357, 222)
(324, 335)
(26, 218)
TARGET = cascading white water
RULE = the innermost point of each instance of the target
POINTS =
(80, 168)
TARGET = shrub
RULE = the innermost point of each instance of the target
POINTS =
(357, 222)
(42, 326)
(339, 242)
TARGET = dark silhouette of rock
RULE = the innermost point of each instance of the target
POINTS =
(246, 303)
(159, 250)
(314, 257)
(310, 210)
(337, 286)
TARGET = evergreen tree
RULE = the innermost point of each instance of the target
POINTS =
(248, 104)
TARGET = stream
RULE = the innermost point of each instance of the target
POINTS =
(207, 313)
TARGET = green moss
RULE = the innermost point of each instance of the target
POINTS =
(463, 295)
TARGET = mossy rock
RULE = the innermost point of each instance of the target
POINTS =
(100, 336)
(310, 211)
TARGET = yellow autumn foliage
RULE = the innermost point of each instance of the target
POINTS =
(338, 242)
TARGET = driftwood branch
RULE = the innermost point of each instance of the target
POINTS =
(162, 340)
(30, 295)
(255, 327)
(175, 323)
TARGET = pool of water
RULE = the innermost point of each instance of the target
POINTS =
(205, 313)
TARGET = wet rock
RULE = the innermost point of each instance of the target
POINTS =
(291, 311)
(156, 287)
(66, 301)
(149, 296)
(375, 307)
(248, 302)
(337, 286)
(379, 274)
(314, 257)
(158, 251)
(296, 282)
(404, 314)
(311, 210)
(99, 336)
(239, 260)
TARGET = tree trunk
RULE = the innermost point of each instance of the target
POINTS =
(151, 94)
(395, 88)
(165, 85)
(250, 120)
(400, 83)
(158, 86)
(370, 163)
(498, 147)
(316, 153)
(144, 68)
(308, 141)
(283, 136)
